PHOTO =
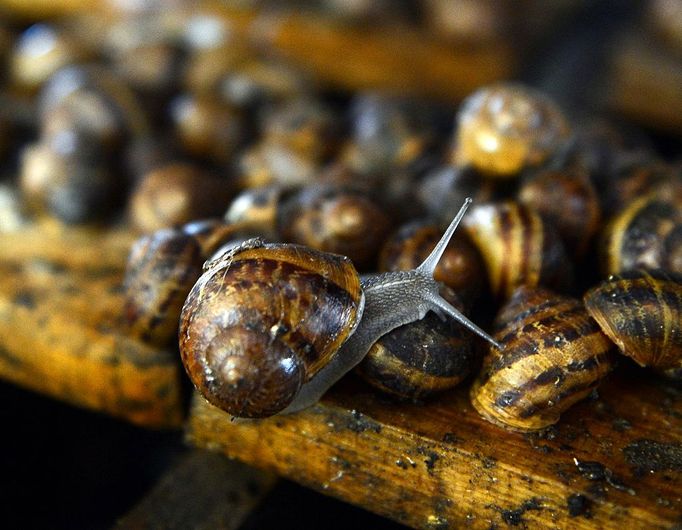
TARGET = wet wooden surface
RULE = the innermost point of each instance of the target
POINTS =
(60, 331)
(613, 462)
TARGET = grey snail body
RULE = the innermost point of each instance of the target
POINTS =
(256, 343)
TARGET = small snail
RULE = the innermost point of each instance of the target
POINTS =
(161, 269)
(554, 355)
(641, 312)
(331, 219)
(460, 268)
(518, 247)
(269, 328)
(419, 359)
(646, 234)
(567, 198)
(505, 128)
(177, 193)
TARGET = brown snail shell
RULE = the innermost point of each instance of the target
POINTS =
(206, 126)
(518, 247)
(175, 194)
(461, 267)
(504, 128)
(641, 312)
(647, 234)
(553, 355)
(420, 359)
(257, 325)
(40, 51)
(335, 220)
(258, 209)
(272, 164)
(161, 270)
(568, 199)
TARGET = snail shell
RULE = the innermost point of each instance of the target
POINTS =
(263, 321)
(206, 126)
(553, 355)
(518, 247)
(177, 193)
(568, 200)
(641, 312)
(340, 221)
(646, 234)
(460, 268)
(505, 128)
(161, 270)
(421, 358)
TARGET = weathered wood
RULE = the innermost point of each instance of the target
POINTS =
(60, 330)
(613, 462)
(201, 491)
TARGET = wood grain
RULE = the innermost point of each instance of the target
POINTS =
(60, 331)
(612, 462)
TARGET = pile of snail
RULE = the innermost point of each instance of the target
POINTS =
(290, 236)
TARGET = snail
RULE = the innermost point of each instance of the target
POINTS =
(460, 268)
(518, 247)
(641, 312)
(162, 267)
(505, 128)
(333, 219)
(177, 193)
(554, 355)
(268, 329)
(420, 359)
(567, 199)
(646, 234)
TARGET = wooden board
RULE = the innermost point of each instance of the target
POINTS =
(612, 462)
(60, 332)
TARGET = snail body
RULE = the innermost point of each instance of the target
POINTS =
(270, 328)
(554, 355)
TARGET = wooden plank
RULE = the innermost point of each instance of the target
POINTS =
(612, 462)
(60, 328)
(201, 491)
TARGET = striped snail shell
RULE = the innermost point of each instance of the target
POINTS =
(553, 355)
(161, 269)
(504, 128)
(421, 358)
(641, 312)
(337, 220)
(518, 247)
(269, 328)
(460, 268)
(567, 199)
(646, 234)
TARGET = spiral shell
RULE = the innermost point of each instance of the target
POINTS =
(567, 199)
(420, 359)
(641, 312)
(335, 220)
(518, 247)
(505, 128)
(460, 268)
(264, 319)
(647, 234)
(162, 267)
(553, 355)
